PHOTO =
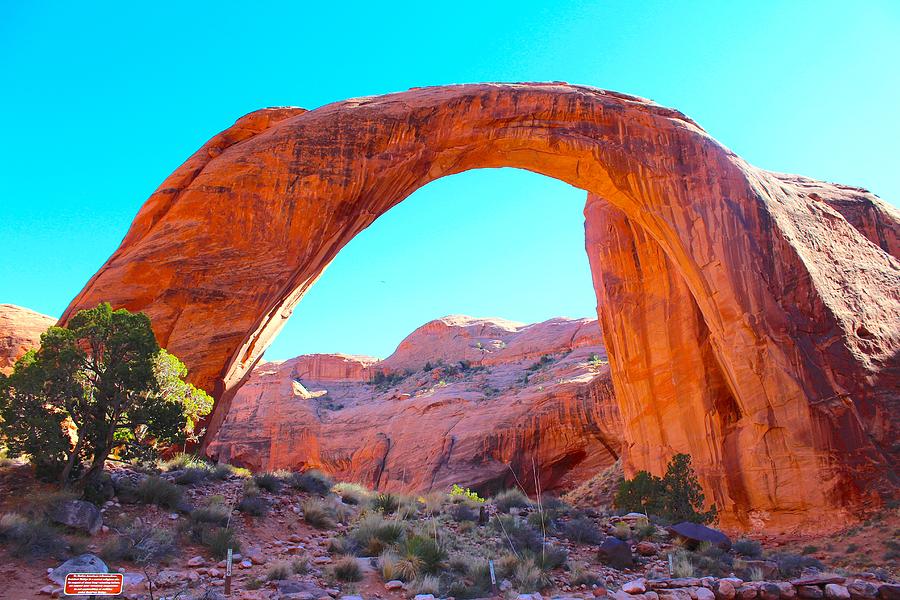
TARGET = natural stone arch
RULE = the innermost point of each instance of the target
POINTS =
(794, 307)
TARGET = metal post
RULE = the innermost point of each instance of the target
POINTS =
(228, 573)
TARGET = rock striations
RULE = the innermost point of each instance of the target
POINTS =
(478, 402)
(752, 318)
(20, 331)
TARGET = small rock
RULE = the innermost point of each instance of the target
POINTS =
(646, 548)
(889, 591)
(724, 590)
(769, 591)
(703, 593)
(47, 590)
(638, 586)
(417, 597)
(809, 592)
(86, 563)
(78, 514)
(746, 592)
(214, 573)
(173, 516)
(615, 553)
(697, 534)
(104, 528)
(197, 561)
(835, 591)
(394, 584)
(862, 590)
(788, 592)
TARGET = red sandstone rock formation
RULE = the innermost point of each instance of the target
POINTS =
(20, 331)
(774, 301)
(480, 427)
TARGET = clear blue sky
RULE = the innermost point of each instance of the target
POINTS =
(101, 101)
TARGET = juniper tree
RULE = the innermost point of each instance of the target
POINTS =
(101, 385)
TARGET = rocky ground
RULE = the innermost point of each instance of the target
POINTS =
(307, 542)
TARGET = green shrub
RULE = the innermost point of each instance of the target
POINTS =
(809, 550)
(791, 565)
(254, 583)
(459, 491)
(156, 490)
(220, 472)
(582, 530)
(352, 493)
(677, 496)
(346, 569)
(141, 544)
(300, 566)
(311, 482)
(279, 571)
(192, 475)
(181, 461)
(427, 584)
(218, 540)
(747, 547)
(463, 512)
(519, 535)
(341, 545)
(550, 557)
(30, 539)
(528, 576)
(373, 534)
(267, 481)
(317, 514)
(213, 514)
(512, 498)
(583, 576)
(424, 552)
(255, 506)
(386, 503)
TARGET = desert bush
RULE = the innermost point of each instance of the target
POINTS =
(386, 503)
(346, 569)
(387, 566)
(463, 512)
(254, 583)
(156, 490)
(582, 530)
(311, 482)
(682, 565)
(218, 540)
(433, 502)
(351, 493)
(512, 498)
(528, 576)
(192, 475)
(621, 530)
(250, 488)
(141, 543)
(300, 566)
(459, 492)
(584, 576)
(255, 506)
(644, 531)
(28, 538)
(427, 584)
(341, 545)
(550, 557)
(747, 547)
(267, 481)
(517, 534)
(677, 496)
(373, 534)
(213, 514)
(424, 552)
(179, 462)
(317, 514)
(791, 565)
(279, 571)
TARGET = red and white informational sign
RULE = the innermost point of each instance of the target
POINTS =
(97, 584)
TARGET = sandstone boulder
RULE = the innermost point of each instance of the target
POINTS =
(78, 514)
(20, 331)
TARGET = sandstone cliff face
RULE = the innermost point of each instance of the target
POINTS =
(480, 426)
(20, 331)
(794, 285)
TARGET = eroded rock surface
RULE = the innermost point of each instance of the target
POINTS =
(780, 355)
(20, 331)
(499, 401)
